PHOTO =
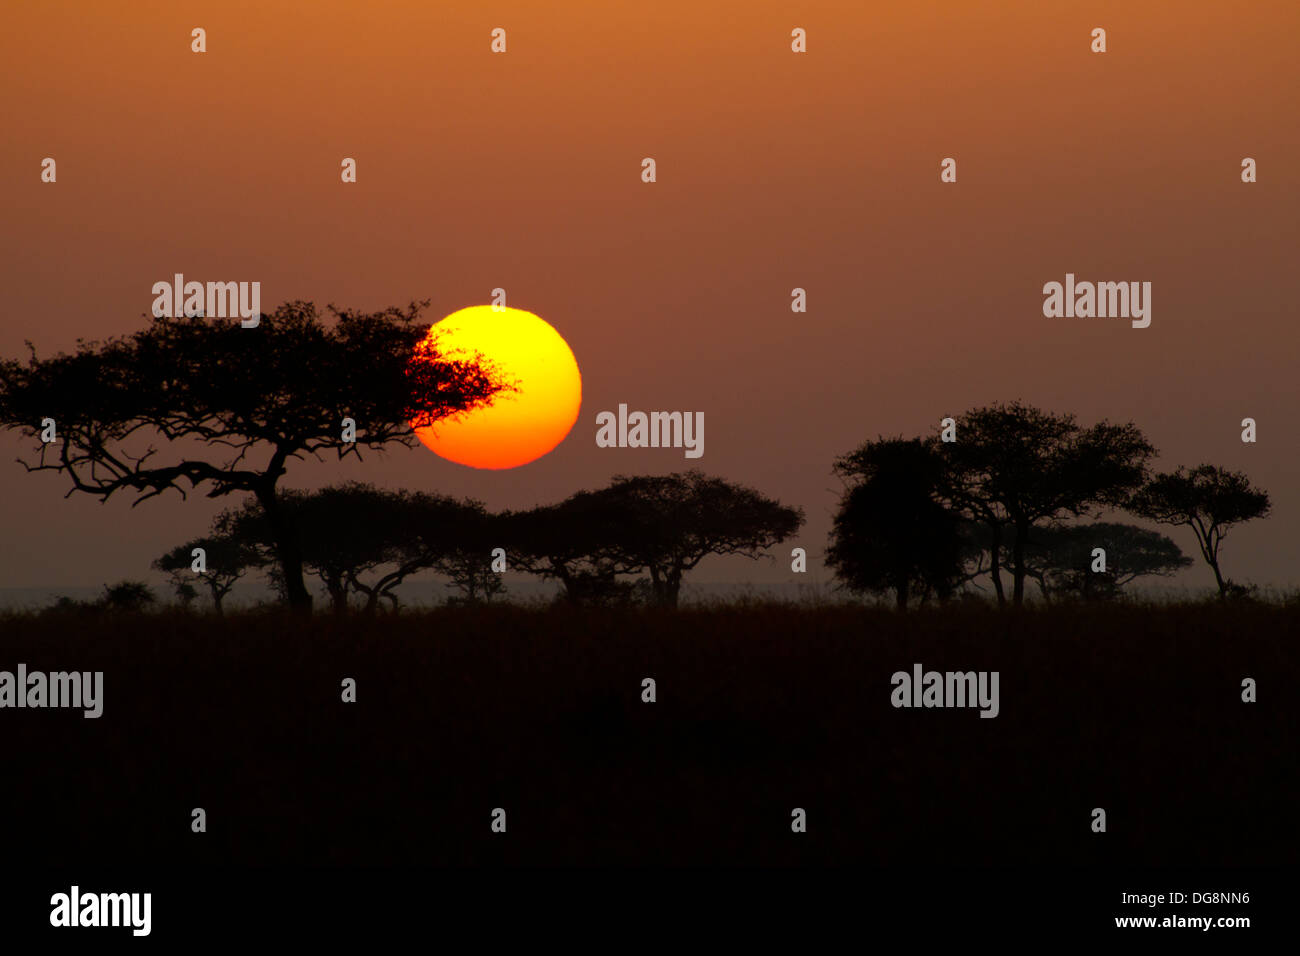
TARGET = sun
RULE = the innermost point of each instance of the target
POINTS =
(520, 426)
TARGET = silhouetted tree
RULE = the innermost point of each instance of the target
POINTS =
(1209, 500)
(234, 405)
(331, 541)
(342, 532)
(185, 593)
(576, 543)
(227, 559)
(1013, 466)
(461, 550)
(275, 581)
(669, 523)
(890, 533)
(131, 597)
(358, 538)
(1061, 558)
(434, 532)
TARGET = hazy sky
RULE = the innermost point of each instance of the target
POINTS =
(775, 170)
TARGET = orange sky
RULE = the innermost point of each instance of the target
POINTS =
(775, 170)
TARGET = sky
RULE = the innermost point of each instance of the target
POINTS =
(775, 170)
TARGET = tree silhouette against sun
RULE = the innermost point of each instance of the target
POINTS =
(232, 406)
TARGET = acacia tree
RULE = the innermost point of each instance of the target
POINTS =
(669, 523)
(226, 560)
(425, 531)
(1013, 466)
(890, 532)
(360, 539)
(1061, 558)
(414, 531)
(185, 593)
(130, 596)
(232, 406)
(574, 542)
(1209, 500)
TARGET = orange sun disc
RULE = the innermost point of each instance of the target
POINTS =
(517, 426)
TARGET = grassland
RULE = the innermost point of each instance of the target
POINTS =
(760, 709)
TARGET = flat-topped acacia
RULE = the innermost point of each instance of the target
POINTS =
(189, 402)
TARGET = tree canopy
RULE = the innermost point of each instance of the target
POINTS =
(1209, 500)
(890, 532)
(575, 542)
(226, 560)
(670, 523)
(1061, 558)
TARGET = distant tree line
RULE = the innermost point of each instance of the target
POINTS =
(1000, 493)
(634, 540)
(194, 404)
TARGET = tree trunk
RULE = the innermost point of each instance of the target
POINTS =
(561, 570)
(659, 586)
(338, 591)
(1018, 562)
(287, 550)
(1211, 555)
(1218, 577)
(995, 563)
(674, 589)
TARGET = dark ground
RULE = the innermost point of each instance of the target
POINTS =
(760, 710)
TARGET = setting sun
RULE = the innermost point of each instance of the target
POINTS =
(519, 426)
